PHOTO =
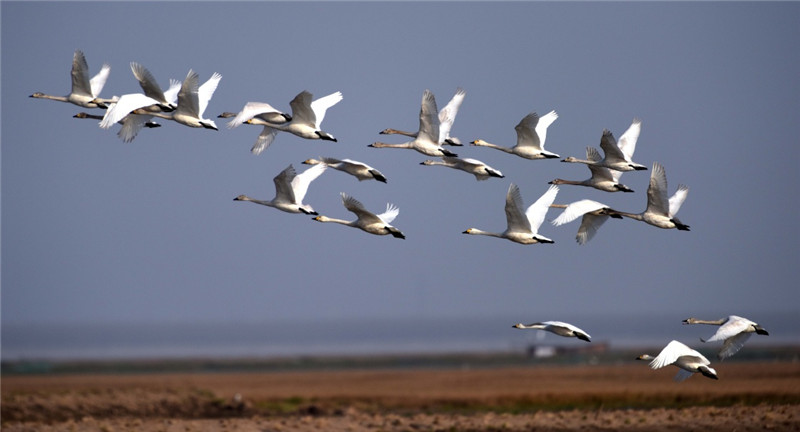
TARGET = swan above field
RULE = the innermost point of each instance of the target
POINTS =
(522, 227)
(531, 136)
(359, 170)
(84, 90)
(734, 331)
(602, 178)
(480, 170)
(447, 117)
(367, 221)
(686, 359)
(290, 189)
(557, 327)
(428, 139)
(618, 156)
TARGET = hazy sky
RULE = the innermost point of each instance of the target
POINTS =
(95, 230)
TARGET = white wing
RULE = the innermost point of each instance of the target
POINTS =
(672, 352)
(677, 199)
(148, 82)
(537, 211)
(205, 92)
(447, 115)
(321, 105)
(657, 201)
(250, 110)
(99, 81)
(733, 344)
(301, 181)
(131, 125)
(627, 142)
(541, 128)
(124, 105)
(515, 218)
(265, 138)
(577, 209)
(391, 212)
(171, 94)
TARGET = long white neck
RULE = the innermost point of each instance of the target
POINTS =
(51, 97)
(710, 322)
(257, 201)
(334, 220)
(398, 132)
(475, 231)
(404, 145)
(569, 182)
(483, 143)
(636, 216)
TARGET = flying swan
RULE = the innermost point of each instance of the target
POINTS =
(522, 227)
(592, 213)
(290, 189)
(602, 178)
(557, 327)
(686, 359)
(447, 117)
(480, 170)
(367, 221)
(734, 331)
(618, 156)
(359, 170)
(660, 211)
(531, 135)
(84, 90)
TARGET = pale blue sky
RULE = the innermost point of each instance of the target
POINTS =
(98, 231)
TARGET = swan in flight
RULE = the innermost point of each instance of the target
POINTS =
(523, 227)
(480, 170)
(305, 121)
(359, 170)
(688, 360)
(531, 135)
(618, 155)
(592, 213)
(447, 117)
(602, 178)
(84, 90)
(260, 114)
(131, 124)
(290, 189)
(734, 330)
(557, 327)
(367, 221)
(167, 100)
(660, 211)
(428, 139)
(192, 101)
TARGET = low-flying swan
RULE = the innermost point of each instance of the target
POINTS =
(688, 360)
(290, 189)
(618, 155)
(522, 227)
(304, 122)
(367, 221)
(427, 140)
(602, 178)
(447, 117)
(84, 90)
(734, 331)
(192, 101)
(531, 136)
(557, 327)
(480, 170)
(131, 124)
(660, 211)
(592, 213)
(359, 170)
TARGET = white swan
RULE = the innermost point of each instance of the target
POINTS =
(260, 114)
(305, 122)
(734, 331)
(602, 178)
(660, 211)
(523, 227)
(447, 116)
(290, 189)
(427, 140)
(359, 170)
(131, 124)
(618, 156)
(531, 136)
(192, 101)
(167, 100)
(480, 170)
(557, 327)
(593, 215)
(367, 221)
(688, 360)
(84, 90)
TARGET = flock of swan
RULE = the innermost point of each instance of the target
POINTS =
(185, 103)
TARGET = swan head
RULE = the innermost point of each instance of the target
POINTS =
(646, 357)
(427, 162)
(321, 218)
(242, 198)
(388, 131)
(478, 142)
(311, 162)
(469, 231)
(37, 95)
(690, 321)
(227, 114)
(81, 115)
(518, 325)
(569, 159)
(557, 181)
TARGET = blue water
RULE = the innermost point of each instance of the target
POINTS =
(394, 336)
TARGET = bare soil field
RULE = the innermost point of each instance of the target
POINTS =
(749, 396)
